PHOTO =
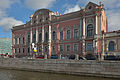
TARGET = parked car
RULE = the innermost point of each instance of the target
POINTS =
(90, 57)
(54, 57)
(40, 57)
(72, 57)
(111, 57)
(82, 58)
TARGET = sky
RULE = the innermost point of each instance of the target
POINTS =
(17, 12)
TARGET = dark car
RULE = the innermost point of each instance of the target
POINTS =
(54, 57)
(40, 57)
(90, 57)
(111, 57)
(72, 57)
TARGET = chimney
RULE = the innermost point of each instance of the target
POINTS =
(57, 14)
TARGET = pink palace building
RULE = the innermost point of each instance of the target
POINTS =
(76, 33)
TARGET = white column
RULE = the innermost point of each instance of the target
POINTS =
(96, 37)
(49, 39)
(96, 24)
(30, 41)
(42, 40)
(83, 38)
(100, 23)
(31, 35)
(84, 26)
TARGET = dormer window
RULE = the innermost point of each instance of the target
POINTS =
(40, 20)
(46, 18)
(34, 21)
(90, 7)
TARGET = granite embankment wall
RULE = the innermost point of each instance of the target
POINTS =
(89, 68)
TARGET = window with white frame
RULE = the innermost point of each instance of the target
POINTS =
(111, 46)
(23, 40)
(68, 34)
(40, 37)
(46, 36)
(61, 35)
(90, 46)
(68, 47)
(53, 35)
(90, 30)
(23, 50)
(46, 48)
(76, 33)
(15, 50)
(40, 49)
(15, 40)
(75, 47)
(28, 39)
(61, 47)
(19, 50)
(53, 48)
(28, 50)
(34, 38)
(19, 40)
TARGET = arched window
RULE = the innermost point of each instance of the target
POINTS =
(54, 35)
(111, 46)
(90, 30)
(68, 34)
(61, 35)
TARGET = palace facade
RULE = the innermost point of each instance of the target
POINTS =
(76, 33)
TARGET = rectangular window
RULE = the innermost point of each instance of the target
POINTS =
(75, 47)
(28, 39)
(46, 36)
(19, 50)
(15, 40)
(89, 46)
(53, 48)
(40, 49)
(68, 34)
(28, 50)
(40, 37)
(23, 50)
(23, 40)
(61, 35)
(54, 35)
(19, 40)
(76, 33)
(46, 48)
(61, 47)
(15, 50)
(68, 47)
(34, 38)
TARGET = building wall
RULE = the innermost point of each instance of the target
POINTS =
(45, 21)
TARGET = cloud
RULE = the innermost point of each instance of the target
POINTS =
(7, 3)
(72, 9)
(113, 20)
(7, 22)
(37, 4)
